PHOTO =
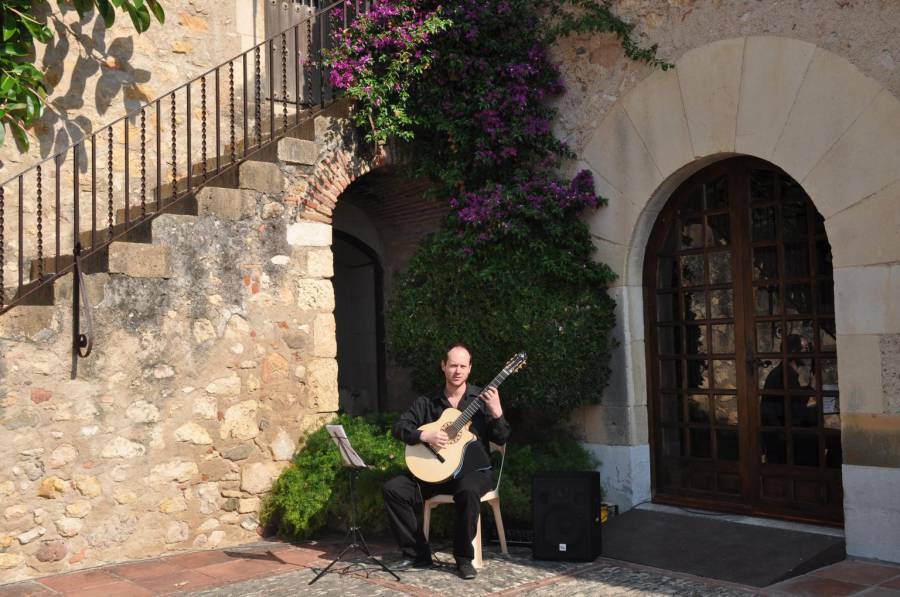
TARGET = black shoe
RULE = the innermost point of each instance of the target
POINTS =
(465, 569)
(418, 560)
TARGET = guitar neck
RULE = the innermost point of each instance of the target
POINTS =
(477, 404)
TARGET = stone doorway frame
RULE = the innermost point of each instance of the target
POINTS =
(836, 132)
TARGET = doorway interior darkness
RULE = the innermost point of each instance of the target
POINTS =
(359, 323)
(741, 348)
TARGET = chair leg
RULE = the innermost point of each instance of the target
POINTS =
(498, 520)
(477, 562)
(426, 520)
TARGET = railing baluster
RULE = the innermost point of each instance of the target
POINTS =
(218, 131)
(76, 194)
(109, 182)
(21, 232)
(57, 161)
(126, 190)
(284, 98)
(308, 63)
(202, 125)
(39, 193)
(93, 191)
(158, 190)
(246, 136)
(257, 96)
(271, 76)
(187, 118)
(297, 66)
(143, 162)
(231, 108)
(174, 153)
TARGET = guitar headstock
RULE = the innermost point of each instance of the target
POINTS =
(516, 363)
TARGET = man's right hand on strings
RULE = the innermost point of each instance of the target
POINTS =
(438, 439)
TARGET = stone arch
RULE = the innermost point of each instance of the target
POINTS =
(836, 132)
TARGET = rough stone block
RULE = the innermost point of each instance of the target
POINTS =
(298, 151)
(26, 321)
(138, 260)
(315, 295)
(323, 124)
(264, 177)
(226, 204)
(320, 263)
(324, 336)
(309, 234)
(322, 380)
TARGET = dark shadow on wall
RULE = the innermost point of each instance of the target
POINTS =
(117, 78)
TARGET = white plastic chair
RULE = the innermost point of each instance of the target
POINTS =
(492, 497)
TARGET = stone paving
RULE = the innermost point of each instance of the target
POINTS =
(271, 568)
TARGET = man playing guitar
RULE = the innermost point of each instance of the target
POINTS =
(404, 495)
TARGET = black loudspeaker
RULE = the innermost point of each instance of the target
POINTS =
(566, 509)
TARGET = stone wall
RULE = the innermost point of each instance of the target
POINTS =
(215, 350)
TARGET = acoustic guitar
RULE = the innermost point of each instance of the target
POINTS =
(436, 465)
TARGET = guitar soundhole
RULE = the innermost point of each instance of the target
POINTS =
(452, 438)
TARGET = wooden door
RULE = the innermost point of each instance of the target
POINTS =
(742, 369)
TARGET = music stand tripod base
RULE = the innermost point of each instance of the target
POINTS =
(355, 537)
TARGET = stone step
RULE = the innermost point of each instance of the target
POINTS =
(31, 293)
(263, 177)
(298, 151)
(138, 260)
(226, 204)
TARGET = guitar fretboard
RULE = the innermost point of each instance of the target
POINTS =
(475, 405)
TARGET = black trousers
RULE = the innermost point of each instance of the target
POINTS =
(404, 496)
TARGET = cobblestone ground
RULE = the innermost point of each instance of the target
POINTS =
(516, 574)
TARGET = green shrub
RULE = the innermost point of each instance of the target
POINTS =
(313, 493)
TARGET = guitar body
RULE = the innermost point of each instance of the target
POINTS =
(425, 465)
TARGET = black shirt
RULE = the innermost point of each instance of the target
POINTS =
(428, 409)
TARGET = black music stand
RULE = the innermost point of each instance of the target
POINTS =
(355, 540)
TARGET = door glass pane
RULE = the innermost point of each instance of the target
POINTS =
(804, 411)
(763, 222)
(697, 342)
(806, 449)
(691, 231)
(762, 185)
(694, 305)
(727, 445)
(827, 335)
(667, 307)
(823, 259)
(833, 453)
(698, 408)
(719, 268)
(700, 443)
(725, 375)
(768, 300)
(829, 374)
(797, 299)
(721, 304)
(768, 336)
(718, 231)
(716, 194)
(765, 263)
(825, 297)
(764, 373)
(726, 410)
(723, 338)
(698, 374)
(671, 412)
(670, 374)
(773, 447)
(771, 411)
(793, 217)
(669, 339)
(667, 275)
(673, 445)
(796, 260)
(691, 270)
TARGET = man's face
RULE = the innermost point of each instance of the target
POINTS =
(457, 366)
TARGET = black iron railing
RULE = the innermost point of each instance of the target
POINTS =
(147, 162)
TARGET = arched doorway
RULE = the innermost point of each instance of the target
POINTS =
(358, 281)
(741, 347)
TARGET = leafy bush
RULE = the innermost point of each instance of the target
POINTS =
(313, 493)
